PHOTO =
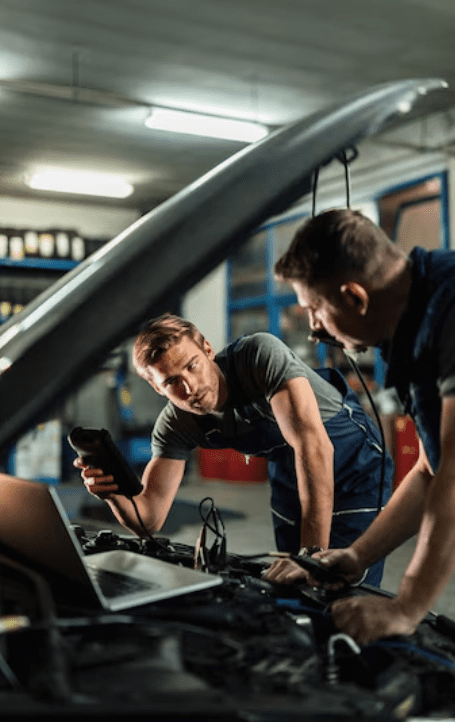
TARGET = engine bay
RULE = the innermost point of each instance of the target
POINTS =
(245, 650)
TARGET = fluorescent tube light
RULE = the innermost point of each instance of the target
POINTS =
(213, 126)
(92, 184)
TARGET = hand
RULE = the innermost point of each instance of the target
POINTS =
(369, 618)
(95, 481)
(347, 563)
(286, 571)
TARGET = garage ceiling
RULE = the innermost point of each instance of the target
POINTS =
(78, 78)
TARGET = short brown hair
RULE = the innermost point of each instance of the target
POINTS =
(330, 244)
(158, 336)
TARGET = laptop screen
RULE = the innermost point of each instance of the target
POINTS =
(34, 524)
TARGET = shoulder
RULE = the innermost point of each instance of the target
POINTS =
(263, 350)
(260, 342)
(264, 363)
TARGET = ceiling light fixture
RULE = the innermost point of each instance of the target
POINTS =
(92, 184)
(213, 126)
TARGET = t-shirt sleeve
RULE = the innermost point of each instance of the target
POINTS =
(446, 349)
(264, 363)
(175, 434)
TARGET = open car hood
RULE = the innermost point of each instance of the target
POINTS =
(62, 336)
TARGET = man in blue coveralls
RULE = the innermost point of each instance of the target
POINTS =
(256, 396)
(363, 290)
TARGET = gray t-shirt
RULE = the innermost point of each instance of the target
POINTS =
(263, 364)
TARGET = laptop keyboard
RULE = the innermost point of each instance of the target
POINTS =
(114, 584)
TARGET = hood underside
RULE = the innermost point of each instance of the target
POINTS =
(60, 338)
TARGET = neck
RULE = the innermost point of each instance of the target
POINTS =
(389, 302)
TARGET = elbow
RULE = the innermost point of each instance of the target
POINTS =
(153, 522)
(156, 525)
(149, 525)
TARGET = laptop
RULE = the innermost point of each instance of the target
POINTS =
(34, 525)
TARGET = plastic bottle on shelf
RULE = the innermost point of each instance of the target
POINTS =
(77, 248)
(16, 247)
(31, 244)
(62, 244)
(4, 245)
(46, 244)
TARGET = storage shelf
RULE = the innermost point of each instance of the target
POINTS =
(58, 264)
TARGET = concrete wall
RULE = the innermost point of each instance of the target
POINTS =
(96, 221)
(205, 306)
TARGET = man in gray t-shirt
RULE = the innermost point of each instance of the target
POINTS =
(262, 364)
(256, 396)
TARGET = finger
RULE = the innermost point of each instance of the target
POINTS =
(272, 573)
(101, 481)
(279, 565)
(98, 475)
(94, 487)
(283, 572)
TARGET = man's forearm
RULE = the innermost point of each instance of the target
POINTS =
(398, 522)
(433, 561)
(315, 528)
(124, 512)
(160, 481)
(297, 413)
(316, 491)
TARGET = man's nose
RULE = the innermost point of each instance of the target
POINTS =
(314, 322)
(188, 386)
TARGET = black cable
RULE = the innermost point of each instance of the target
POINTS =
(322, 337)
(346, 160)
(347, 177)
(215, 514)
(345, 157)
(139, 518)
(356, 368)
(144, 528)
(217, 555)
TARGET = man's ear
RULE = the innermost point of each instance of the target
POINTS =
(150, 380)
(356, 297)
(208, 349)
